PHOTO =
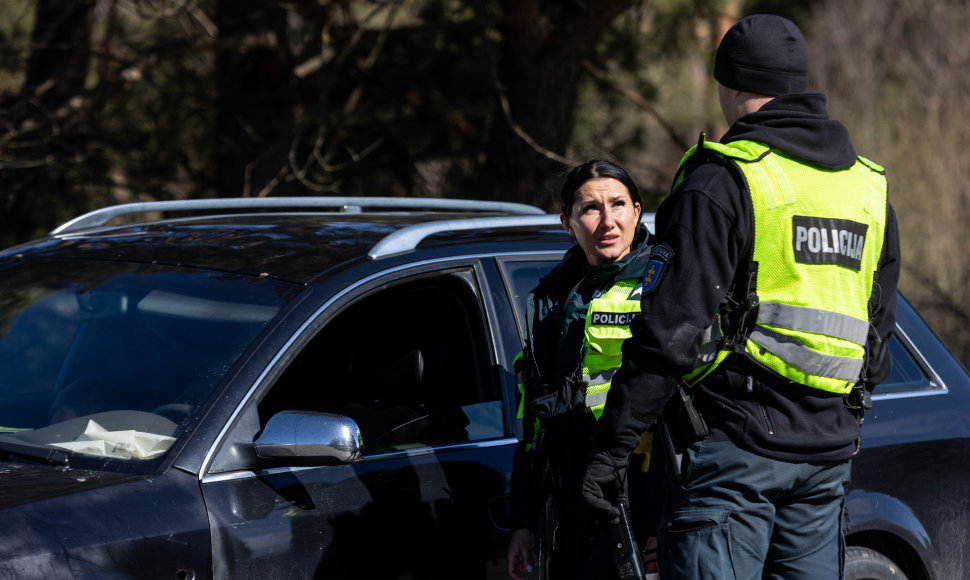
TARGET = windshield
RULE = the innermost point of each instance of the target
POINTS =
(112, 359)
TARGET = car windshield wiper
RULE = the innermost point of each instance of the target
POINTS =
(12, 450)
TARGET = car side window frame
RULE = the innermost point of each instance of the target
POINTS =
(906, 354)
(246, 420)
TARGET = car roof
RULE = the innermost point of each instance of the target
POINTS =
(297, 239)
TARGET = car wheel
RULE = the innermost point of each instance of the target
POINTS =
(865, 564)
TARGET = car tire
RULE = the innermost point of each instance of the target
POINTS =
(865, 564)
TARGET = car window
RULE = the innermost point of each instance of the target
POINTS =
(93, 350)
(410, 364)
(521, 277)
(907, 375)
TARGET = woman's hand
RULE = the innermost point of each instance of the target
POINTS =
(520, 553)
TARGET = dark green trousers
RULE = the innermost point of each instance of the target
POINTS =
(743, 516)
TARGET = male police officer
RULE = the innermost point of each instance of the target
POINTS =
(771, 292)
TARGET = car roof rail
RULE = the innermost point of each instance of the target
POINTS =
(408, 238)
(345, 204)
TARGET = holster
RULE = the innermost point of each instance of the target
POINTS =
(679, 426)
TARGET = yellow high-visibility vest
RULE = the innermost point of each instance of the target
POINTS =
(607, 326)
(818, 236)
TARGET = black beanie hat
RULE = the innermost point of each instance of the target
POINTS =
(763, 54)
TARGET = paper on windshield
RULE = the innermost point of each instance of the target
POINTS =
(127, 444)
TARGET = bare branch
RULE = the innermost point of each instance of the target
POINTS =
(323, 147)
(507, 111)
(638, 100)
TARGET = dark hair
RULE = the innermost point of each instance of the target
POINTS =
(594, 169)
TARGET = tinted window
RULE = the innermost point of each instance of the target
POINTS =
(522, 277)
(907, 374)
(126, 346)
(409, 364)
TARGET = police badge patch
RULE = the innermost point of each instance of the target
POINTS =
(659, 256)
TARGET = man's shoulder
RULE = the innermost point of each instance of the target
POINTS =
(716, 179)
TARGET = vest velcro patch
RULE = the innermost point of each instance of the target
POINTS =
(817, 240)
(611, 318)
(659, 256)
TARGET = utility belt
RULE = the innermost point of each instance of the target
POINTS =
(681, 424)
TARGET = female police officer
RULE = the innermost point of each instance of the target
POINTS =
(579, 317)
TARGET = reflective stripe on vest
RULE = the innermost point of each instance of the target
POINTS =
(817, 250)
(607, 326)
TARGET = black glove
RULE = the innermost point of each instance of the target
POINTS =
(604, 484)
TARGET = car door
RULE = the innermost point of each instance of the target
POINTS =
(410, 358)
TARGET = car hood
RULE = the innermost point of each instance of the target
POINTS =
(27, 482)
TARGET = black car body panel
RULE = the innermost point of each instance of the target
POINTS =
(422, 512)
(295, 247)
(187, 335)
(98, 525)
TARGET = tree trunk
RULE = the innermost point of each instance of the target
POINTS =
(34, 190)
(58, 62)
(255, 116)
(543, 48)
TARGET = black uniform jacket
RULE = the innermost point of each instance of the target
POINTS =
(707, 224)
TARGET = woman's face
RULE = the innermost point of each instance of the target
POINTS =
(603, 219)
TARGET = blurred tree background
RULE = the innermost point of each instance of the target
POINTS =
(110, 101)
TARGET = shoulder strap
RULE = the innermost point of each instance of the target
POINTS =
(725, 155)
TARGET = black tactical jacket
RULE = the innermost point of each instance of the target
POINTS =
(707, 224)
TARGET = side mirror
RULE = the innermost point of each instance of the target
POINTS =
(306, 436)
